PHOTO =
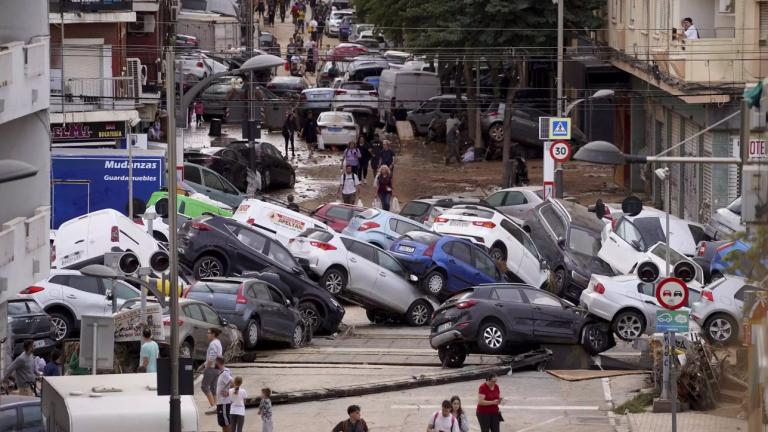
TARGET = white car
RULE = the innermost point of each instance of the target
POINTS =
(67, 295)
(516, 201)
(726, 221)
(658, 255)
(363, 273)
(719, 310)
(334, 20)
(276, 222)
(627, 303)
(499, 234)
(336, 128)
(356, 94)
(85, 239)
(198, 66)
(356, 29)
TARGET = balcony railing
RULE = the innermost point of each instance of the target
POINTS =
(58, 6)
(89, 94)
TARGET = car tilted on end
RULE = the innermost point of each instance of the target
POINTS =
(511, 319)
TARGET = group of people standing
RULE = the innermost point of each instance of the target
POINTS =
(355, 161)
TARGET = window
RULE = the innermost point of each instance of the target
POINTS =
(192, 174)
(317, 234)
(23, 307)
(496, 199)
(277, 297)
(216, 287)
(650, 230)
(60, 280)
(461, 251)
(123, 291)
(251, 239)
(509, 295)
(209, 315)
(541, 298)
(85, 284)
(630, 234)
(393, 224)
(361, 86)
(32, 417)
(415, 208)
(259, 292)
(279, 254)
(693, 297)
(193, 312)
(553, 221)
(339, 213)
(484, 264)
(405, 227)
(515, 198)
(362, 250)
(212, 180)
(390, 264)
(228, 188)
(8, 419)
(583, 242)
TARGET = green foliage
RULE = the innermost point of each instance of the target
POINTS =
(754, 262)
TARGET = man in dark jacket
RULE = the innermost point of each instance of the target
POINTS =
(289, 129)
(354, 423)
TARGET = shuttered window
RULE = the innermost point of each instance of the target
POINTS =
(763, 20)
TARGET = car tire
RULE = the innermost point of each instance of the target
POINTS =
(251, 334)
(311, 315)
(434, 283)
(334, 280)
(207, 266)
(496, 132)
(560, 282)
(186, 349)
(452, 355)
(628, 325)
(491, 337)
(597, 339)
(297, 336)
(721, 328)
(62, 325)
(375, 316)
(418, 313)
(498, 253)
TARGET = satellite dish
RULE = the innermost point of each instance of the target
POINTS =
(631, 206)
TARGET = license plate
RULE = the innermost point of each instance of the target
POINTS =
(459, 223)
(334, 129)
(407, 249)
(69, 259)
(38, 343)
(444, 327)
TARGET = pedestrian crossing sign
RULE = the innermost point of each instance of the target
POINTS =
(559, 128)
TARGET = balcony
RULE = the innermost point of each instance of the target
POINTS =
(23, 78)
(24, 252)
(89, 6)
(93, 94)
(702, 60)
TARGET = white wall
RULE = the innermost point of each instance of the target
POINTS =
(23, 19)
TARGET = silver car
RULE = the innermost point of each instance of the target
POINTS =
(719, 310)
(516, 201)
(524, 128)
(725, 221)
(195, 319)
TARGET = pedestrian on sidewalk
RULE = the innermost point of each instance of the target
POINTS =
(199, 113)
(282, 11)
(300, 20)
(223, 401)
(271, 15)
(210, 372)
(354, 423)
(459, 413)
(289, 130)
(53, 367)
(238, 395)
(383, 185)
(149, 351)
(452, 145)
(265, 410)
(24, 368)
(365, 158)
(310, 133)
(443, 420)
(295, 13)
(387, 157)
(375, 149)
(349, 184)
(488, 401)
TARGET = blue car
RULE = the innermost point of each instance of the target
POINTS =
(380, 228)
(722, 263)
(443, 263)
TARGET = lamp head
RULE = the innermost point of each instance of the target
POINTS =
(600, 152)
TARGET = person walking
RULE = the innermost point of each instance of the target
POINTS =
(310, 133)
(375, 149)
(459, 413)
(282, 11)
(53, 367)
(300, 20)
(443, 420)
(387, 157)
(238, 395)
(383, 185)
(289, 130)
(351, 156)
(488, 401)
(199, 110)
(348, 185)
(452, 145)
(265, 410)
(260, 9)
(223, 401)
(210, 373)
(365, 158)
(149, 351)
(24, 368)
(354, 423)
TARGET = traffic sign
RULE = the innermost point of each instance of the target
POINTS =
(549, 189)
(559, 128)
(560, 151)
(672, 293)
(671, 321)
(758, 148)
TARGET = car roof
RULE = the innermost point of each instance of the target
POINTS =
(521, 188)
(57, 272)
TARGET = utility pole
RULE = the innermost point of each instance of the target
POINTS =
(559, 186)
(476, 102)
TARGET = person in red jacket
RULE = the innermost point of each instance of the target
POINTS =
(488, 401)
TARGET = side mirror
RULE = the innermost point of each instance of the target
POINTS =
(413, 278)
(561, 242)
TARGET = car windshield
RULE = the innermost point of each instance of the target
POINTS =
(336, 117)
(583, 242)
(415, 208)
(215, 287)
(650, 228)
(735, 206)
(23, 307)
(660, 250)
(423, 237)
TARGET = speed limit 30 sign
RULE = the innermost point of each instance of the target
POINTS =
(560, 151)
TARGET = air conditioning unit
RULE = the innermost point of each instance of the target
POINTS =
(135, 73)
(145, 23)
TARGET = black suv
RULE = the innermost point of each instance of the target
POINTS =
(266, 159)
(426, 209)
(215, 246)
(567, 236)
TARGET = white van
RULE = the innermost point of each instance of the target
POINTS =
(275, 221)
(83, 240)
(407, 88)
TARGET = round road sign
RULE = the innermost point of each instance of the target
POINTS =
(560, 151)
(672, 293)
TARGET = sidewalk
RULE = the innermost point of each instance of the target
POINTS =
(686, 422)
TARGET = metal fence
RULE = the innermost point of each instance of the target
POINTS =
(84, 94)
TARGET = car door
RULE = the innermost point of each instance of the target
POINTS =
(392, 286)
(86, 296)
(528, 267)
(461, 268)
(622, 247)
(486, 270)
(193, 319)
(517, 314)
(553, 322)
(214, 188)
(283, 316)
(249, 251)
(363, 268)
(265, 308)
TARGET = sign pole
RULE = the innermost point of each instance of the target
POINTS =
(548, 168)
(95, 345)
(672, 380)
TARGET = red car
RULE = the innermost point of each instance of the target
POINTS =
(336, 215)
(346, 51)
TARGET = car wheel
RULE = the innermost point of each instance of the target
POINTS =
(185, 351)
(62, 326)
(452, 355)
(334, 280)
(418, 314)
(491, 337)
(297, 337)
(375, 316)
(597, 339)
(496, 132)
(498, 253)
(208, 266)
(721, 328)
(628, 325)
(434, 283)
(561, 281)
(251, 335)
(310, 314)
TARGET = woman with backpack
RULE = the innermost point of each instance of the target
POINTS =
(351, 157)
